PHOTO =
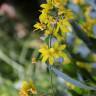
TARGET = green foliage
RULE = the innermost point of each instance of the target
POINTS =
(20, 57)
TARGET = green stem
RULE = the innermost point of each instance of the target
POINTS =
(49, 45)
(51, 80)
(51, 77)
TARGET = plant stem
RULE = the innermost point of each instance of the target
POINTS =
(51, 77)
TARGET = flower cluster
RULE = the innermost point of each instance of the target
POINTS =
(27, 88)
(50, 54)
(88, 19)
(54, 22)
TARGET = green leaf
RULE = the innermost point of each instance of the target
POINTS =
(71, 80)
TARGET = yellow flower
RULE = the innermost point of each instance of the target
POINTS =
(68, 14)
(59, 3)
(48, 32)
(47, 7)
(60, 29)
(58, 49)
(51, 53)
(43, 18)
(47, 54)
(50, 27)
(27, 88)
(64, 26)
(40, 26)
(88, 26)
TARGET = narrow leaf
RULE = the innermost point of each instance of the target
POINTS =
(73, 81)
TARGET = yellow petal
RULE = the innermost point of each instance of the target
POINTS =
(46, 6)
(25, 85)
(56, 45)
(51, 60)
(62, 47)
(44, 59)
(23, 93)
(43, 48)
(43, 18)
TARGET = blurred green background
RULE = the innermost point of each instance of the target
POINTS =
(18, 43)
